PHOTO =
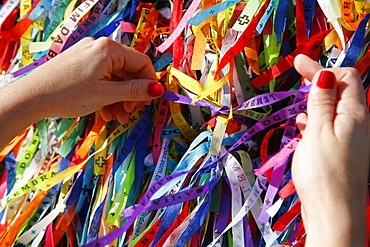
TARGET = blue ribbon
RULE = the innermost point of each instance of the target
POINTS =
(75, 194)
(163, 61)
(85, 230)
(104, 23)
(280, 19)
(265, 16)
(95, 223)
(10, 166)
(39, 9)
(167, 219)
(214, 10)
(134, 4)
(309, 9)
(139, 160)
(108, 30)
(356, 45)
(85, 188)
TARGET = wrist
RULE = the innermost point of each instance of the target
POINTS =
(336, 225)
(19, 109)
(21, 104)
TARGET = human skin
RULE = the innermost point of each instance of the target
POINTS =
(90, 76)
(331, 163)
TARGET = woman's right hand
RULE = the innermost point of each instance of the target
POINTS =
(331, 163)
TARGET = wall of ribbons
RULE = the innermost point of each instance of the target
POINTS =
(208, 164)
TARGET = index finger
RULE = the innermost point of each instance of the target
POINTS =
(306, 66)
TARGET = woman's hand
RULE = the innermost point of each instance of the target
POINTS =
(92, 75)
(331, 162)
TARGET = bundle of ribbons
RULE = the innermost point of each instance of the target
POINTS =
(208, 164)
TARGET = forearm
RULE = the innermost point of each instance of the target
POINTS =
(337, 216)
(19, 108)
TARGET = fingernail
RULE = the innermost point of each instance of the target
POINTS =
(155, 89)
(326, 80)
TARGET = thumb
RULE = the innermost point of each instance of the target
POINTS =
(322, 101)
(134, 90)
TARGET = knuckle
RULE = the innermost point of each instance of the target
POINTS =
(102, 44)
(322, 101)
(362, 115)
(104, 41)
(353, 72)
(147, 59)
(134, 90)
(144, 59)
(88, 39)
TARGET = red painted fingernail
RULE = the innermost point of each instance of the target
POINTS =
(155, 89)
(326, 80)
